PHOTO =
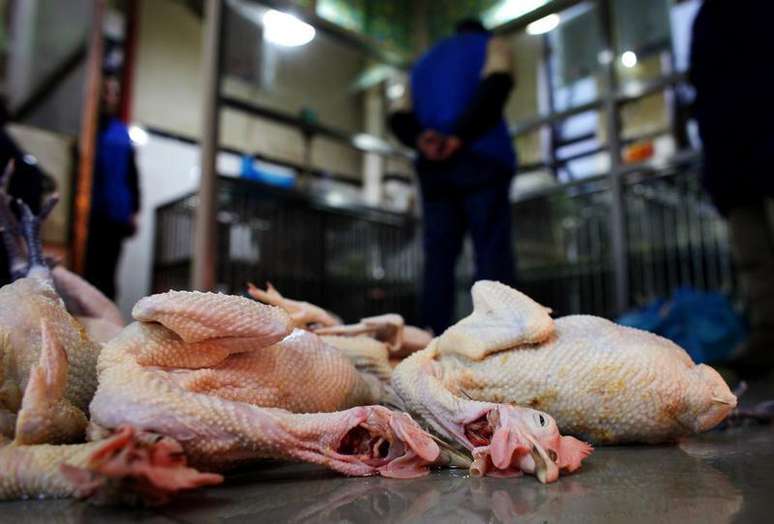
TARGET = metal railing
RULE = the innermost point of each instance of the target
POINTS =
(354, 260)
(673, 237)
(360, 261)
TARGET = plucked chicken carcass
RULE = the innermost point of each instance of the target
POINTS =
(270, 377)
(400, 340)
(179, 371)
(30, 312)
(126, 467)
(600, 381)
(303, 314)
(374, 345)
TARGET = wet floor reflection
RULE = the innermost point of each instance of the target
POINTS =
(716, 478)
(631, 484)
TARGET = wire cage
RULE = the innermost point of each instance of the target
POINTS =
(359, 261)
(674, 238)
(353, 260)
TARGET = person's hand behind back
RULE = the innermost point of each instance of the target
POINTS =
(436, 146)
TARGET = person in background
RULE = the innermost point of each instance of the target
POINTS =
(730, 68)
(453, 115)
(115, 193)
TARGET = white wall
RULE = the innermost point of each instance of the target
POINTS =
(167, 90)
(54, 154)
(167, 170)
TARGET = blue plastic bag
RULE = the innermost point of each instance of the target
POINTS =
(705, 324)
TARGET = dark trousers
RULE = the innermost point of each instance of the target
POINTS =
(102, 253)
(752, 244)
(465, 196)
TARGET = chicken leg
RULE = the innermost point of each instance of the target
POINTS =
(26, 304)
(303, 314)
(125, 464)
(401, 340)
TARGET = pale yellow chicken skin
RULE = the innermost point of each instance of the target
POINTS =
(179, 372)
(24, 304)
(603, 382)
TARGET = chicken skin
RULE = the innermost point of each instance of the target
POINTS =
(172, 371)
(32, 315)
(600, 381)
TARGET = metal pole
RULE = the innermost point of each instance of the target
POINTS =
(617, 216)
(204, 263)
(88, 139)
(548, 75)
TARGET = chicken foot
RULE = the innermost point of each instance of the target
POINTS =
(400, 339)
(303, 314)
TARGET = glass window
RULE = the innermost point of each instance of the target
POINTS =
(575, 56)
(527, 100)
(642, 38)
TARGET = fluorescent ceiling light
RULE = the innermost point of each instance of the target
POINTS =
(395, 91)
(138, 135)
(544, 25)
(285, 29)
(605, 56)
(507, 10)
(629, 59)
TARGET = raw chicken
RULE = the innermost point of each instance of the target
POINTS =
(303, 314)
(367, 354)
(142, 385)
(401, 340)
(503, 440)
(32, 315)
(99, 316)
(96, 312)
(269, 377)
(601, 381)
(121, 468)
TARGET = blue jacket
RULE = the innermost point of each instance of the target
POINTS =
(443, 83)
(115, 194)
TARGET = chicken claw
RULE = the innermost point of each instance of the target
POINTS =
(303, 314)
(129, 469)
(123, 468)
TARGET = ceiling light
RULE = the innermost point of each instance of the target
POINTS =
(138, 135)
(395, 91)
(544, 25)
(285, 29)
(629, 59)
(605, 56)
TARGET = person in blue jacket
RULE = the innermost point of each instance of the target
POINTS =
(115, 193)
(453, 115)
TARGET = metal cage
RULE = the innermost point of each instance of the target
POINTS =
(354, 260)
